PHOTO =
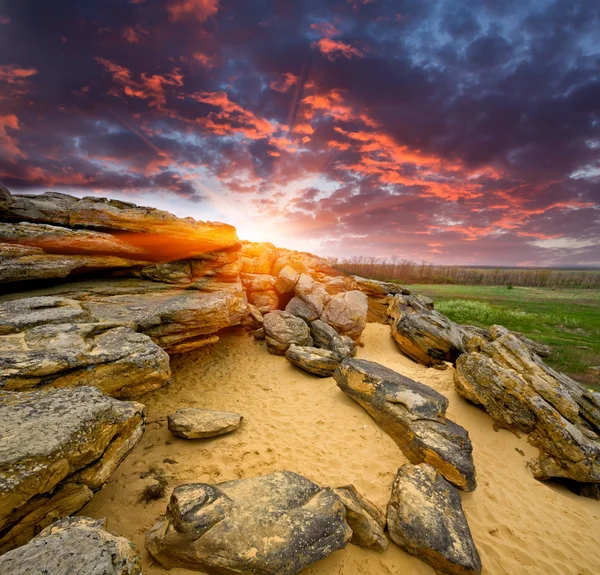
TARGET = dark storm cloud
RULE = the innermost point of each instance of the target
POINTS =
(435, 125)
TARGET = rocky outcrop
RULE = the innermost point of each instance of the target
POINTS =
(273, 524)
(365, 519)
(56, 448)
(425, 518)
(314, 360)
(414, 416)
(116, 360)
(282, 329)
(74, 545)
(379, 294)
(195, 423)
(522, 393)
(347, 313)
(258, 257)
(324, 336)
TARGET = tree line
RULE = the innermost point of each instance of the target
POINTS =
(409, 272)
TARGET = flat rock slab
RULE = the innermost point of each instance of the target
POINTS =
(365, 519)
(273, 524)
(116, 360)
(414, 415)
(56, 448)
(195, 423)
(314, 360)
(425, 518)
(74, 545)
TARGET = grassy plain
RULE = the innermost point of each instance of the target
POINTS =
(566, 319)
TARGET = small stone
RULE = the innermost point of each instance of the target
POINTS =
(196, 423)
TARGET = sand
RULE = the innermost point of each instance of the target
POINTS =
(299, 422)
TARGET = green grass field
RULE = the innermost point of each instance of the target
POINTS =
(566, 319)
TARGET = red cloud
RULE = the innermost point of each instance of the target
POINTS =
(205, 60)
(232, 117)
(7, 143)
(201, 9)
(134, 35)
(148, 88)
(325, 29)
(12, 74)
(284, 83)
(334, 49)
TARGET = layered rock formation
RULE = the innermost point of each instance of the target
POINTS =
(414, 416)
(522, 393)
(425, 518)
(56, 448)
(74, 545)
(380, 295)
(274, 524)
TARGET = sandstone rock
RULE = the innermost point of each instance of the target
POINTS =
(195, 423)
(61, 240)
(257, 257)
(273, 524)
(74, 545)
(425, 518)
(303, 262)
(56, 448)
(414, 416)
(347, 313)
(223, 265)
(118, 361)
(337, 285)
(326, 337)
(424, 334)
(520, 392)
(540, 349)
(282, 329)
(254, 319)
(265, 301)
(259, 334)
(300, 308)
(311, 293)
(257, 282)
(161, 233)
(314, 360)
(365, 519)
(378, 293)
(286, 280)
(179, 272)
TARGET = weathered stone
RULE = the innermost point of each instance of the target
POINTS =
(365, 519)
(540, 349)
(314, 360)
(522, 393)
(118, 361)
(286, 280)
(74, 545)
(257, 257)
(195, 423)
(265, 301)
(300, 308)
(326, 337)
(257, 282)
(179, 272)
(303, 262)
(61, 240)
(255, 314)
(347, 313)
(282, 329)
(222, 265)
(259, 334)
(425, 518)
(312, 293)
(56, 448)
(161, 233)
(378, 293)
(422, 333)
(337, 285)
(275, 524)
(414, 416)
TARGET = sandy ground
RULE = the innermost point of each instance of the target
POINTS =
(299, 422)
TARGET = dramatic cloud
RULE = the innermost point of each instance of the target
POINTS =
(461, 132)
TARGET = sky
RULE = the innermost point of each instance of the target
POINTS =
(455, 131)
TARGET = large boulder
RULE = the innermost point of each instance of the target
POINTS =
(74, 545)
(286, 280)
(274, 524)
(282, 329)
(302, 309)
(117, 360)
(314, 360)
(379, 294)
(196, 423)
(311, 293)
(56, 448)
(522, 393)
(425, 518)
(257, 257)
(365, 519)
(347, 313)
(414, 416)
(326, 337)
